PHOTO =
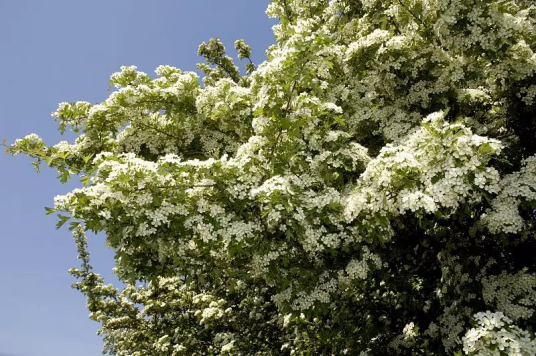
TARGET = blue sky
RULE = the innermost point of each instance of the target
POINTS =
(63, 50)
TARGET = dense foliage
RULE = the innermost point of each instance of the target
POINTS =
(367, 190)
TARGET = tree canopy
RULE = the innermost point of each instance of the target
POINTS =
(369, 189)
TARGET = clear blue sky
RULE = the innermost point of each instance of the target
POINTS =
(64, 50)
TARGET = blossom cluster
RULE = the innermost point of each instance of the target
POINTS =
(495, 335)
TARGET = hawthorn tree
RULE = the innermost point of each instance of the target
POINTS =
(369, 189)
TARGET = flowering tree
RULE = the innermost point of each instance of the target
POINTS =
(369, 189)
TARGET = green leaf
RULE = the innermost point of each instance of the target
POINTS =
(285, 123)
(50, 210)
(63, 220)
(48, 160)
(383, 23)
(64, 175)
(85, 180)
(339, 120)
(73, 225)
(87, 158)
(36, 165)
(485, 148)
